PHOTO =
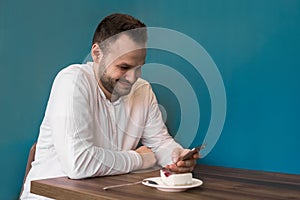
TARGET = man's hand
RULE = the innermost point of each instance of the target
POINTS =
(147, 155)
(181, 166)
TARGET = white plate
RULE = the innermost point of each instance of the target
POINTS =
(166, 188)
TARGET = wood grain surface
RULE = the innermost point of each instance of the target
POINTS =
(219, 183)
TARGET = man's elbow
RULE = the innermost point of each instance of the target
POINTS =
(76, 174)
(75, 171)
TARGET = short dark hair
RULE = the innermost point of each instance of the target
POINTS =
(117, 23)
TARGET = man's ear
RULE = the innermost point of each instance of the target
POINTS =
(96, 53)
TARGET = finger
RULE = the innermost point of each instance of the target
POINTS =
(176, 154)
(143, 149)
(196, 155)
(186, 163)
(186, 154)
(177, 169)
(182, 166)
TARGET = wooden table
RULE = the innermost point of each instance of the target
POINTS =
(219, 183)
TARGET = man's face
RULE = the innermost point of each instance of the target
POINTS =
(120, 67)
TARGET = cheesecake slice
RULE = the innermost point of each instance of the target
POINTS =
(172, 179)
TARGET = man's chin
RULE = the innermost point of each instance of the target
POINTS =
(123, 88)
(122, 91)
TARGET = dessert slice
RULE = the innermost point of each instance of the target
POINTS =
(172, 179)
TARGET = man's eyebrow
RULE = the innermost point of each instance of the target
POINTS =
(129, 65)
(126, 64)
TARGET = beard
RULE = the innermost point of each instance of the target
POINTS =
(117, 87)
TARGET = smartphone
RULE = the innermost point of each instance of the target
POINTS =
(192, 151)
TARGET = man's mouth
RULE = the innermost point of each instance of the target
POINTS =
(125, 83)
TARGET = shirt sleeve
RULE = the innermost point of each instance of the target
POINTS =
(156, 134)
(72, 125)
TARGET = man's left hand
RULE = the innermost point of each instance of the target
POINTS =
(180, 166)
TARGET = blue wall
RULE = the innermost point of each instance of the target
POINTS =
(255, 45)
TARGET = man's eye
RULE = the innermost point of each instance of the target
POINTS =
(123, 67)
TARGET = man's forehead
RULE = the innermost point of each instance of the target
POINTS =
(125, 49)
(124, 44)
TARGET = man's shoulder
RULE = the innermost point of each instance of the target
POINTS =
(141, 92)
(141, 84)
(77, 69)
(141, 81)
(76, 72)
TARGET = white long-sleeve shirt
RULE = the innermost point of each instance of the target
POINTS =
(83, 134)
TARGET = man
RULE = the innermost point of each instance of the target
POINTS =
(99, 111)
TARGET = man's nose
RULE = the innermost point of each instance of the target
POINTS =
(132, 75)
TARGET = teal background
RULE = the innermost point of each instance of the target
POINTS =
(255, 45)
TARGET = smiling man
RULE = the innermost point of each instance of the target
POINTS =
(98, 113)
(119, 69)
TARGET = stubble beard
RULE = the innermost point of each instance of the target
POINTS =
(111, 85)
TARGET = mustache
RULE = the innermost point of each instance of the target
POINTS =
(124, 81)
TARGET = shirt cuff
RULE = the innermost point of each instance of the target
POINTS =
(136, 159)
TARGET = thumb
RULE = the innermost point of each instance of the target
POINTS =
(179, 153)
(176, 154)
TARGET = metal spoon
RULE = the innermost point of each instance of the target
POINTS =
(128, 184)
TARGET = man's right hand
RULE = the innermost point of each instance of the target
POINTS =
(147, 156)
